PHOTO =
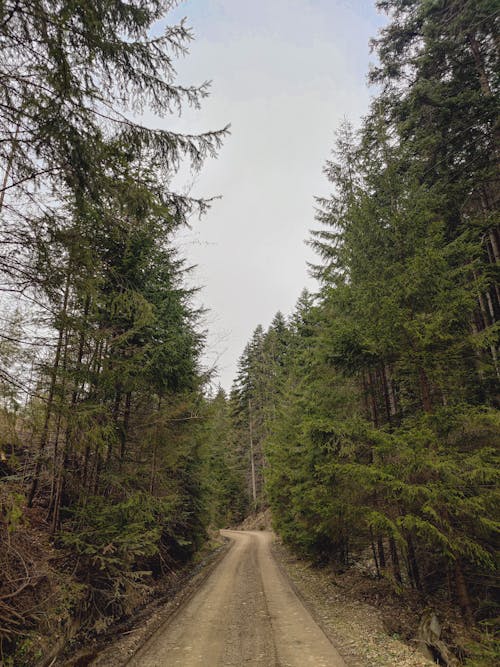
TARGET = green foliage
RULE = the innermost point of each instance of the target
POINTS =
(485, 652)
(111, 537)
(11, 510)
(111, 432)
(382, 440)
(224, 474)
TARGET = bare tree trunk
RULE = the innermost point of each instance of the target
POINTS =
(365, 394)
(477, 353)
(478, 62)
(396, 569)
(494, 245)
(57, 502)
(373, 399)
(50, 398)
(155, 450)
(85, 473)
(97, 470)
(152, 479)
(494, 288)
(463, 594)
(54, 467)
(483, 80)
(413, 569)
(482, 305)
(126, 421)
(115, 413)
(383, 377)
(390, 389)
(425, 390)
(55, 457)
(374, 552)
(8, 167)
(381, 553)
(491, 309)
(252, 459)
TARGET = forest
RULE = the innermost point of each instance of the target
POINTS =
(366, 421)
(372, 411)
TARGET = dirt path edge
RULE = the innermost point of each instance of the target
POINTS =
(276, 551)
(353, 626)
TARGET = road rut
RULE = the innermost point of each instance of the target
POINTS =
(245, 614)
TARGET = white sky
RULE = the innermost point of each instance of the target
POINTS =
(285, 73)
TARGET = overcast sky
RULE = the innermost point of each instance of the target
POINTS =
(284, 74)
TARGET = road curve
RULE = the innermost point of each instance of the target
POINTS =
(244, 614)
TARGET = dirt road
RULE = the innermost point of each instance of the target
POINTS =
(245, 614)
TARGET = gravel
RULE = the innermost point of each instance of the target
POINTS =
(354, 627)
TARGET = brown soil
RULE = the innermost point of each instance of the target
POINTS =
(259, 521)
(244, 613)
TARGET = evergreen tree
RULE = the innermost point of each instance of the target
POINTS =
(110, 450)
(386, 423)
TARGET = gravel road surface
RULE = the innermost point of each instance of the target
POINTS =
(245, 614)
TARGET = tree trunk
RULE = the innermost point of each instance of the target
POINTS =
(153, 470)
(374, 552)
(54, 468)
(390, 389)
(126, 421)
(381, 553)
(425, 390)
(479, 64)
(365, 395)
(118, 426)
(57, 502)
(483, 80)
(50, 398)
(155, 449)
(55, 457)
(413, 565)
(396, 569)
(8, 166)
(484, 313)
(85, 473)
(463, 594)
(494, 245)
(373, 399)
(387, 401)
(491, 309)
(97, 470)
(252, 458)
